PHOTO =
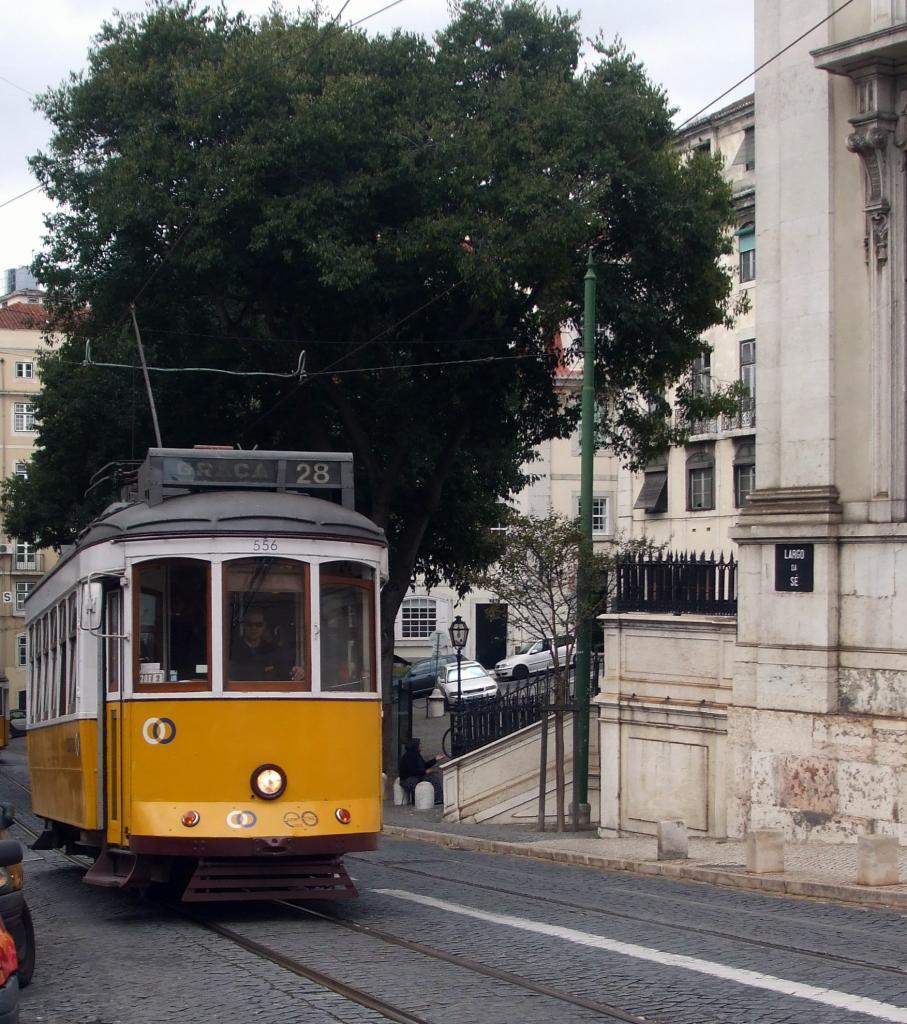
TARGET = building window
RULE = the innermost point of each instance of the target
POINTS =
(700, 481)
(23, 418)
(26, 555)
(748, 380)
(744, 472)
(22, 592)
(21, 469)
(22, 650)
(702, 374)
(419, 618)
(25, 370)
(599, 513)
(653, 496)
(746, 155)
(746, 242)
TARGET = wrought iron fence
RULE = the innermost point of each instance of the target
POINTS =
(675, 583)
(484, 720)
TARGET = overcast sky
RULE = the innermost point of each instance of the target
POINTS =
(694, 48)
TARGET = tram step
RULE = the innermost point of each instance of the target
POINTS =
(274, 880)
(117, 870)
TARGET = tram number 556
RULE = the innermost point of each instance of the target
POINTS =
(264, 544)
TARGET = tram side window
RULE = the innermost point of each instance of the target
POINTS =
(73, 635)
(173, 618)
(114, 611)
(347, 628)
(46, 668)
(62, 679)
(37, 657)
(266, 624)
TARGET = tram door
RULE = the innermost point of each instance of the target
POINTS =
(112, 750)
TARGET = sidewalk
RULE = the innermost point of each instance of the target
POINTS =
(822, 870)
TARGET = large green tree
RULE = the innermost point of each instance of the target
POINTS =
(414, 215)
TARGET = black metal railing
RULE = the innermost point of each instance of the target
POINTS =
(675, 583)
(744, 418)
(482, 721)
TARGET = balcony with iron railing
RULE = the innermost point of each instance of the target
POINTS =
(744, 418)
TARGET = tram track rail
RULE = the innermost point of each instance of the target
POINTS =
(388, 1010)
(458, 960)
(735, 937)
(354, 994)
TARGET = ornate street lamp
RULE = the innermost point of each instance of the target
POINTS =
(459, 633)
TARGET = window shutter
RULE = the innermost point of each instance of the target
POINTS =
(746, 238)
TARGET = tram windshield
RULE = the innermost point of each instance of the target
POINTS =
(265, 625)
(347, 638)
(173, 625)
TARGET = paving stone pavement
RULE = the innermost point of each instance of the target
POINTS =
(821, 870)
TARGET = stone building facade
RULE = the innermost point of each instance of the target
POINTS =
(818, 722)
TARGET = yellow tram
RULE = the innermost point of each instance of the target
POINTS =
(203, 696)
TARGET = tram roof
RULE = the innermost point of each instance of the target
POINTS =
(230, 512)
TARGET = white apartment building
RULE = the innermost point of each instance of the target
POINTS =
(689, 498)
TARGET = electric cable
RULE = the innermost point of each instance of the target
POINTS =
(765, 64)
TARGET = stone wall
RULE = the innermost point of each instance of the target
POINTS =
(663, 722)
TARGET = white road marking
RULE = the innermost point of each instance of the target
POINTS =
(755, 979)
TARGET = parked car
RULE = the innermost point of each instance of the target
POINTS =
(473, 681)
(422, 677)
(531, 657)
(13, 908)
(17, 722)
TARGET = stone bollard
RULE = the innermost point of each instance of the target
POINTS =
(877, 860)
(764, 850)
(436, 704)
(672, 840)
(425, 796)
(399, 794)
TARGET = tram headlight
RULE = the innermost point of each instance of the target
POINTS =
(269, 781)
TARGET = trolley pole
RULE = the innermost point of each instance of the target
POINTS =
(581, 809)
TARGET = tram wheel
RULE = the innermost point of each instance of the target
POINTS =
(26, 955)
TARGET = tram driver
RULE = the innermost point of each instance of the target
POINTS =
(255, 656)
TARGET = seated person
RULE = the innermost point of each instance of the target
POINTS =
(255, 656)
(415, 769)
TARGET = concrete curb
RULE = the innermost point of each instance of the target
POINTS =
(775, 884)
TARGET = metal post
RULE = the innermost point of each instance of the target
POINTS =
(138, 341)
(581, 809)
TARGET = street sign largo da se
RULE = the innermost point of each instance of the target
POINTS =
(794, 567)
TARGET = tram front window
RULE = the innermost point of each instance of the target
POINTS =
(265, 624)
(347, 628)
(173, 617)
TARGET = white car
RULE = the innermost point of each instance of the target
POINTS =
(531, 657)
(474, 682)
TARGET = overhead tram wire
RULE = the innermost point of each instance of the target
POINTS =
(21, 195)
(168, 254)
(764, 64)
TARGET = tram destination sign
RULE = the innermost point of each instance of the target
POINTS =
(172, 470)
(794, 567)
